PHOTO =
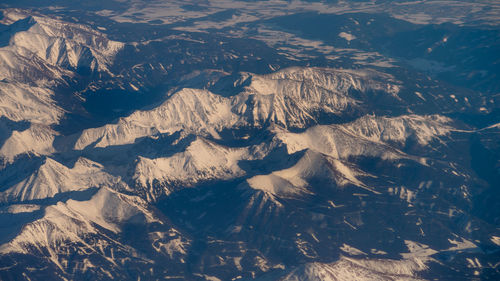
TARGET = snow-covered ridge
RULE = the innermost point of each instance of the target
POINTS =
(339, 80)
(38, 53)
(59, 43)
(20, 102)
(312, 165)
(73, 221)
(53, 178)
(367, 136)
(358, 269)
(329, 149)
(336, 142)
(195, 111)
(290, 98)
(36, 140)
(293, 97)
(201, 161)
(397, 130)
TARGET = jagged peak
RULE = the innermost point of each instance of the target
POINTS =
(61, 43)
(334, 141)
(192, 110)
(202, 160)
(52, 178)
(399, 129)
(69, 222)
(335, 80)
(36, 140)
(202, 112)
(312, 165)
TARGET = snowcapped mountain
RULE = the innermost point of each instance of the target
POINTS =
(295, 97)
(152, 144)
(294, 180)
(190, 109)
(423, 129)
(93, 229)
(289, 98)
(37, 103)
(37, 55)
(53, 178)
(271, 171)
(354, 269)
(36, 140)
(55, 43)
(201, 161)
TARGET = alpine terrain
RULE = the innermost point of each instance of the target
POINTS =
(249, 140)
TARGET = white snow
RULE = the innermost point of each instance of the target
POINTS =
(336, 141)
(20, 102)
(357, 270)
(496, 240)
(347, 36)
(22, 208)
(420, 96)
(70, 222)
(461, 245)
(399, 129)
(48, 50)
(378, 252)
(201, 161)
(61, 43)
(53, 178)
(418, 250)
(197, 111)
(288, 97)
(313, 165)
(37, 140)
(351, 250)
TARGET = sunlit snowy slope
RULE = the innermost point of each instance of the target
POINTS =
(223, 141)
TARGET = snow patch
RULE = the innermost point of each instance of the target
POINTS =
(351, 250)
(347, 36)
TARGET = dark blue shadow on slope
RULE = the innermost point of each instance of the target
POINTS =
(7, 126)
(12, 223)
(23, 166)
(8, 31)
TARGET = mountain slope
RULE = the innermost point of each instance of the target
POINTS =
(201, 161)
(353, 269)
(58, 43)
(53, 178)
(230, 171)
(290, 98)
(95, 232)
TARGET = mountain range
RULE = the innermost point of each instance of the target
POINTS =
(198, 144)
